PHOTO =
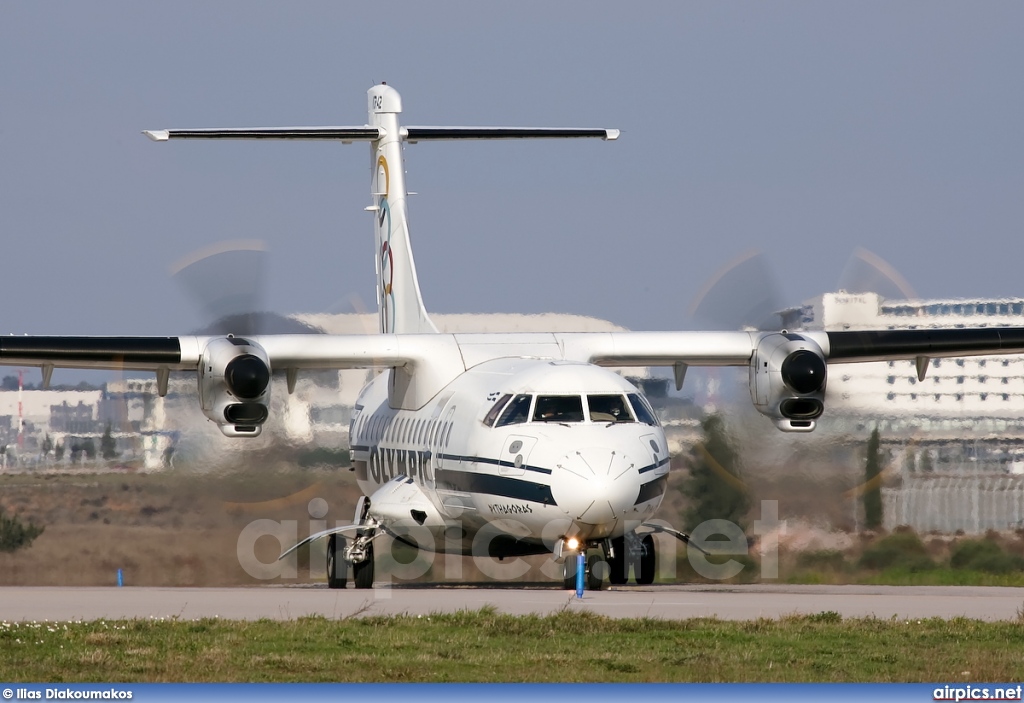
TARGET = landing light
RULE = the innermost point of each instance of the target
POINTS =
(572, 544)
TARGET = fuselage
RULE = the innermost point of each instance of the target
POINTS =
(511, 457)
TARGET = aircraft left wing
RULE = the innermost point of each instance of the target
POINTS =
(282, 351)
(234, 373)
(143, 353)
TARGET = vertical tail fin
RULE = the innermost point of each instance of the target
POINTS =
(399, 302)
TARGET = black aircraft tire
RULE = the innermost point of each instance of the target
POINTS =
(569, 573)
(595, 567)
(645, 574)
(337, 567)
(362, 572)
(618, 567)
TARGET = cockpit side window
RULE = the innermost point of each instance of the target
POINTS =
(518, 411)
(609, 408)
(558, 408)
(492, 414)
(644, 412)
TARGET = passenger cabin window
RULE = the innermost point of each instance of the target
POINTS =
(609, 408)
(644, 412)
(518, 411)
(492, 414)
(558, 408)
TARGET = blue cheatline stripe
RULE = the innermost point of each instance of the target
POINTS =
(652, 467)
(502, 462)
(652, 490)
(495, 462)
(427, 455)
(471, 482)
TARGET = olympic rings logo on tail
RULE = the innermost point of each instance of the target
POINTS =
(387, 257)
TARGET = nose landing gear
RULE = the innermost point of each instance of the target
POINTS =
(613, 562)
(596, 571)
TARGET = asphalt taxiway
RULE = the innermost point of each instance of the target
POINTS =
(668, 602)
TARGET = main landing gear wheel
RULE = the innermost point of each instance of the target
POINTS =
(569, 573)
(337, 567)
(362, 571)
(618, 566)
(595, 569)
(646, 565)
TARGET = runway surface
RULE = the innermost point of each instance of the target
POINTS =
(668, 602)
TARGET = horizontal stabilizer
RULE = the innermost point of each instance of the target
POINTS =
(423, 134)
(369, 134)
(344, 134)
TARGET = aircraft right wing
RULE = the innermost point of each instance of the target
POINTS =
(788, 370)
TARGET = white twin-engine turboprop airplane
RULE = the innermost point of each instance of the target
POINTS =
(527, 440)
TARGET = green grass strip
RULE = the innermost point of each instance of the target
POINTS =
(488, 646)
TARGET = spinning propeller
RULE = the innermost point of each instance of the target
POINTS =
(227, 282)
(745, 293)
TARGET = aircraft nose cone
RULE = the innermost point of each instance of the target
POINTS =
(595, 485)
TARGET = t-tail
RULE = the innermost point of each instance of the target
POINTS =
(400, 306)
(399, 301)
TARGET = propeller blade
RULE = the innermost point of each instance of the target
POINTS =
(867, 272)
(742, 294)
(227, 282)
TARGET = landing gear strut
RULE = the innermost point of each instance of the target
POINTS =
(340, 557)
(618, 562)
(358, 553)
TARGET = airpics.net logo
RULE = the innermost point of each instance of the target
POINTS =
(722, 542)
(977, 693)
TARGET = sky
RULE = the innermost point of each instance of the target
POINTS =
(804, 130)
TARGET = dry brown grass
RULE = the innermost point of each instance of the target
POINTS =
(168, 529)
(176, 528)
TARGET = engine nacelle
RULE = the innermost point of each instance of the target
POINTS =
(787, 381)
(234, 385)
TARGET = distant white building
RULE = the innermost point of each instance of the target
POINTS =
(37, 405)
(957, 436)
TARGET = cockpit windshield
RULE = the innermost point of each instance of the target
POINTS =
(602, 408)
(558, 408)
(516, 412)
(609, 408)
(644, 412)
(492, 414)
